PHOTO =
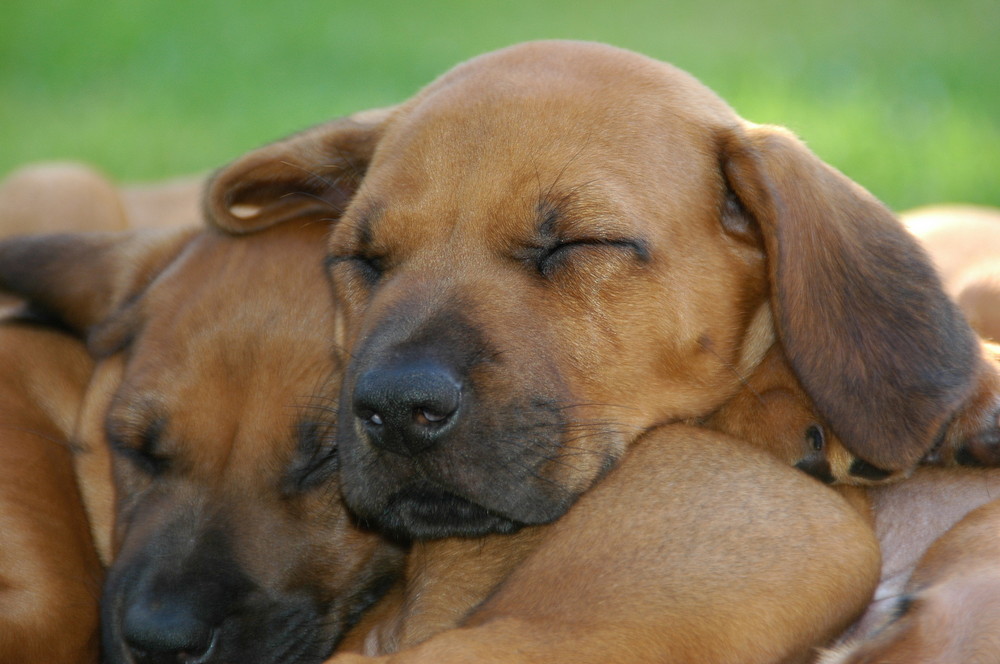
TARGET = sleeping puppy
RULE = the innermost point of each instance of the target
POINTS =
(211, 395)
(556, 246)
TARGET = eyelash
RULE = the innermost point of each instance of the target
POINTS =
(319, 463)
(141, 457)
(552, 257)
(371, 268)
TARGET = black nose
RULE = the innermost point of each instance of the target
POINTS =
(167, 630)
(407, 408)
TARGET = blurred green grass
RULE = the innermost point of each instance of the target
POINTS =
(902, 95)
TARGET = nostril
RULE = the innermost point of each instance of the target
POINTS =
(166, 632)
(407, 407)
(427, 417)
(200, 654)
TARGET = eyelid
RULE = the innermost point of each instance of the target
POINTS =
(146, 456)
(552, 253)
(372, 266)
(315, 459)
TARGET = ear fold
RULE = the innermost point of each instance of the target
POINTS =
(79, 279)
(309, 176)
(885, 355)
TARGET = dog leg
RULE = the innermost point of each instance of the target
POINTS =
(50, 575)
(682, 554)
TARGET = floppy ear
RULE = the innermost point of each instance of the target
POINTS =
(861, 313)
(309, 176)
(79, 279)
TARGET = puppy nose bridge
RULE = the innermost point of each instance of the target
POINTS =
(407, 407)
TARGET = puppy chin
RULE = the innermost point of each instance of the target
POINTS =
(421, 511)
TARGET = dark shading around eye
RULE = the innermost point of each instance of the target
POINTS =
(369, 268)
(141, 450)
(904, 604)
(315, 460)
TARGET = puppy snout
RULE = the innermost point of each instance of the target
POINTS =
(167, 630)
(406, 409)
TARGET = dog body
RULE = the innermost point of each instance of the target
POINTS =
(50, 575)
(53, 197)
(964, 242)
(209, 406)
(937, 600)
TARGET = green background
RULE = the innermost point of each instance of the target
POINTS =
(902, 95)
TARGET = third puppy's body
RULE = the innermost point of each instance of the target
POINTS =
(938, 601)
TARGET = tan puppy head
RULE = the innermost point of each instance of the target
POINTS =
(213, 389)
(559, 245)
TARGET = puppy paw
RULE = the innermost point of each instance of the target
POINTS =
(972, 438)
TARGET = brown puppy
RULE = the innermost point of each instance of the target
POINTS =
(939, 598)
(50, 575)
(698, 548)
(559, 245)
(231, 543)
(964, 242)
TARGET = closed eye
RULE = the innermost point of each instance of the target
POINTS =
(557, 256)
(141, 449)
(369, 268)
(315, 461)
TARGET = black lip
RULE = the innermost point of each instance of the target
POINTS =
(423, 511)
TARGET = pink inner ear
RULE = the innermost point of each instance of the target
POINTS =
(244, 210)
